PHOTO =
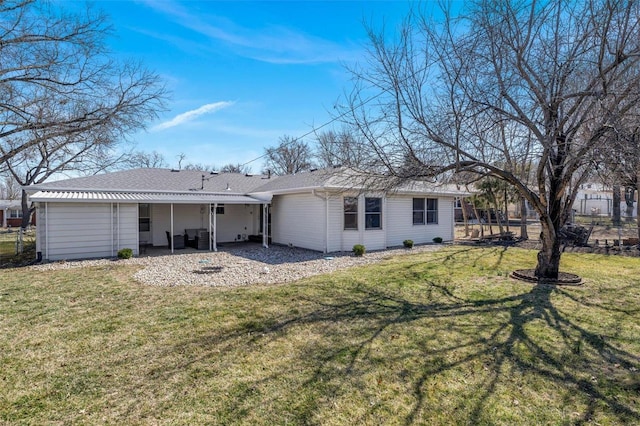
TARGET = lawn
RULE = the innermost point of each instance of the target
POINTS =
(437, 338)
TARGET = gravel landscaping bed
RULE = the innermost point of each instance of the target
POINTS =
(237, 266)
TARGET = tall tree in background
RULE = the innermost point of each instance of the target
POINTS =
(236, 168)
(289, 157)
(340, 148)
(64, 103)
(560, 75)
(621, 156)
(142, 159)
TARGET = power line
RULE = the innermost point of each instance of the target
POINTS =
(352, 109)
(315, 129)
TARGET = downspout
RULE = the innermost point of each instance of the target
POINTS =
(111, 233)
(326, 218)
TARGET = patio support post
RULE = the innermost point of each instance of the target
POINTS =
(215, 230)
(265, 225)
(171, 228)
(46, 231)
(209, 230)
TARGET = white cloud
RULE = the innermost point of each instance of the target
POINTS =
(270, 43)
(191, 115)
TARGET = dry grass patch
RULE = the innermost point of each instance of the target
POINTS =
(437, 338)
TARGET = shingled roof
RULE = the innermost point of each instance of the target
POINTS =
(166, 185)
(159, 180)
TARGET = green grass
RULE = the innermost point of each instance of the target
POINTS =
(436, 338)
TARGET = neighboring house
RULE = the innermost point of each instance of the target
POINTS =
(597, 200)
(11, 214)
(324, 210)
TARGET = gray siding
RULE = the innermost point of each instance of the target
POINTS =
(78, 231)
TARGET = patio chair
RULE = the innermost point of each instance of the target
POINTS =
(191, 237)
(178, 241)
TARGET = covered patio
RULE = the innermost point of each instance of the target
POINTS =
(98, 224)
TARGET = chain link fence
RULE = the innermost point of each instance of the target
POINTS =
(17, 247)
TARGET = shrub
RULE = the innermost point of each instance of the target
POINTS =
(408, 243)
(358, 249)
(125, 253)
(437, 240)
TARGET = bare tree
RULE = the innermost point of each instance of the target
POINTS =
(9, 188)
(236, 168)
(199, 166)
(340, 148)
(621, 156)
(289, 157)
(559, 76)
(58, 81)
(142, 159)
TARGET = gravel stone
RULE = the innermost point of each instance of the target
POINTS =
(238, 265)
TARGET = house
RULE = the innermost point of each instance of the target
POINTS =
(323, 210)
(11, 214)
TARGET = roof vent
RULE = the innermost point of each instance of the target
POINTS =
(213, 173)
(248, 175)
(174, 171)
(228, 187)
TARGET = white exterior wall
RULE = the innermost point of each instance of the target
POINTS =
(236, 220)
(298, 220)
(400, 225)
(77, 231)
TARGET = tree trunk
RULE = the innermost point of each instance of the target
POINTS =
(26, 213)
(465, 217)
(506, 208)
(549, 257)
(498, 221)
(488, 211)
(551, 221)
(616, 206)
(524, 234)
(477, 214)
(629, 192)
(638, 209)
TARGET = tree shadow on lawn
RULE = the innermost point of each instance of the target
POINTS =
(369, 332)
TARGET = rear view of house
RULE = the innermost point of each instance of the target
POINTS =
(324, 210)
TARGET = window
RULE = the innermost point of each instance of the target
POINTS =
(350, 213)
(418, 211)
(432, 210)
(144, 219)
(373, 213)
(15, 214)
(425, 210)
(220, 209)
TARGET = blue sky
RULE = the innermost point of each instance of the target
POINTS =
(242, 74)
